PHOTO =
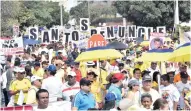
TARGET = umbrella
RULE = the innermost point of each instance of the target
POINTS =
(99, 53)
(29, 41)
(117, 45)
(145, 43)
(182, 53)
(156, 55)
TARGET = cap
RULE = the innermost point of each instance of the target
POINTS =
(85, 81)
(90, 63)
(60, 51)
(147, 77)
(124, 104)
(34, 78)
(118, 76)
(133, 83)
(71, 73)
(51, 68)
(19, 69)
(171, 70)
(146, 72)
(37, 64)
(110, 97)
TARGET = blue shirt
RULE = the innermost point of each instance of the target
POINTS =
(117, 91)
(84, 101)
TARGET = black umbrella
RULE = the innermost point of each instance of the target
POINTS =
(117, 45)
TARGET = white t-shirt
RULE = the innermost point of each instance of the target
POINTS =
(49, 108)
(54, 87)
(180, 86)
(152, 71)
(68, 91)
(170, 93)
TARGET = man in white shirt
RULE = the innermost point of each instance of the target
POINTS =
(147, 88)
(42, 97)
(52, 84)
(71, 87)
(153, 69)
(169, 92)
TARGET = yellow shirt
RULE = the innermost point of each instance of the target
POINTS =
(39, 72)
(83, 69)
(96, 91)
(31, 97)
(15, 85)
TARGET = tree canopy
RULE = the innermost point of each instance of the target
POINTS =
(29, 13)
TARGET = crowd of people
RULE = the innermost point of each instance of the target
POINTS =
(118, 84)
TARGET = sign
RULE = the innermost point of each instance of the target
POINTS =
(161, 29)
(84, 24)
(96, 40)
(12, 46)
(121, 32)
(15, 30)
(33, 33)
(156, 40)
(131, 31)
(54, 32)
(46, 37)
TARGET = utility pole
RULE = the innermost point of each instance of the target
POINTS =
(61, 18)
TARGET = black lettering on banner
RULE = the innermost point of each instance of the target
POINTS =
(110, 32)
(161, 29)
(93, 31)
(33, 33)
(121, 32)
(75, 36)
(149, 29)
(102, 33)
(67, 37)
(84, 25)
(140, 32)
(46, 37)
(54, 34)
(132, 31)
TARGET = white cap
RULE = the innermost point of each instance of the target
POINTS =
(72, 73)
(34, 78)
(171, 70)
(19, 69)
(90, 63)
(60, 51)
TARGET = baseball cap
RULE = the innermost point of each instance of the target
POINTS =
(34, 78)
(133, 83)
(147, 77)
(72, 73)
(90, 63)
(118, 76)
(19, 69)
(110, 97)
(51, 68)
(37, 64)
(85, 81)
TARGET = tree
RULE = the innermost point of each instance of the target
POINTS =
(29, 13)
(152, 13)
(97, 10)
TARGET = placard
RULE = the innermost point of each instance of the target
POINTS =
(156, 40)
(12, 46)
(46, 38)
(84, 24)
(33, 33)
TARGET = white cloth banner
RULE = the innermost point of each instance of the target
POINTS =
(12, 46)
(21, 98)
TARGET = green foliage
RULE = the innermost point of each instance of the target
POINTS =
(152, 13)
(97, 10)
(30, 13)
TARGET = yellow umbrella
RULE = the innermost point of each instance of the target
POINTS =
(145, 43)
(181, 54)
(156, 55)
(98, 53)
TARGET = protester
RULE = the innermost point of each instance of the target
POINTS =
(84, 99)
(146, 101)
(169, 92)
(147, 88)
(19, 85)
(77, 71)
(182, 68)
(71, 87)
(36, 85)
(60, 73)
(55, 90)
(38, 71)
(153, 68)
(161, 104)
(110, 102)
(42, 97)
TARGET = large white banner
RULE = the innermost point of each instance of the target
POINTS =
(12, 46)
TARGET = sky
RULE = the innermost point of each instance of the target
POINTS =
(70, 4)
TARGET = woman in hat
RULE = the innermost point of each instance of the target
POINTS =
(95, 86)
(133, 93)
